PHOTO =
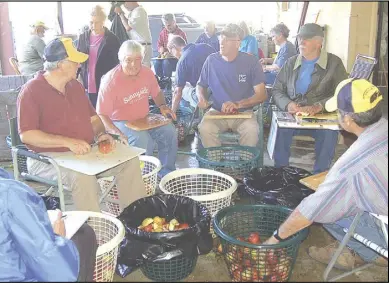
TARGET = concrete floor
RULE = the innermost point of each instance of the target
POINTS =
(211, 268)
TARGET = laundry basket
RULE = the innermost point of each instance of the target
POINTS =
(249, 262)
(109, 234)
(235, 161)
(150, 166)
(211, 188)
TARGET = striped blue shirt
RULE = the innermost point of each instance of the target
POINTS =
(358, 181)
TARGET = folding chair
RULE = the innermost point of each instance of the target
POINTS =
(351, 233)
(15, 65)
(363, 67)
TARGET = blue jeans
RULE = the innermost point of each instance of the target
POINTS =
(164, 136)
(164, 68)
(325, 145)
(366, 228)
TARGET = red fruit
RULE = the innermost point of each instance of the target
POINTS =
(274, 278)
(247, 263)
(183, 226)
(105, 146)
(148, 228)
(271, 258)
(254, 238)
(241, 239)
(255, 274)
(237, 275)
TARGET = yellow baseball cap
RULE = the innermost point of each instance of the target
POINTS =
(61, 49)
(354, 96)
(39, 24)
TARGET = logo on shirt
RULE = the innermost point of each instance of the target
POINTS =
(241, 78)
(136, 96)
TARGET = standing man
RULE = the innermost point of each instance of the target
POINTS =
(305, 82)
(137, 27)
(164, 68)
(210, 35)
(191, 58)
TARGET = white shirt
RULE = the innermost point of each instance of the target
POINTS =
(139, 23)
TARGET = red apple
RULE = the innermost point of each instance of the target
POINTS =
(148, 228)
(105, 146)
(254, 238)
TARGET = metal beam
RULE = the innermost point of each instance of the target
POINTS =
(60, 17)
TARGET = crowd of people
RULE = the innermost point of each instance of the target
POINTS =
(84, 93)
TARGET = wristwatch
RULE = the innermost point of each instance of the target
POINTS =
(276, 235)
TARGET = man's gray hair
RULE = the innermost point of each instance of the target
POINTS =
(130, 47)
(233, 30)
(51, 66)
(169, 17)
(365, 119)
(319, 38)
(176, 41)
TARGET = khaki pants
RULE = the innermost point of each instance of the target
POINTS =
(85, 188)
(248, 129)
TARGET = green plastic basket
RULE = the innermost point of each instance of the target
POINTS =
(248, 262)
(171, 270)
(235, 161)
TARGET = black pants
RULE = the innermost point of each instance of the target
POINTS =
(85, 240)
(93, 98)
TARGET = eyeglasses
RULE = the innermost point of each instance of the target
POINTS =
(135, 60)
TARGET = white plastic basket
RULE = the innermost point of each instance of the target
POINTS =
(213, 189)
(152, 166)
(109, 234)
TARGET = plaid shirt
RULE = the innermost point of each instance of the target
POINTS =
(163, 37)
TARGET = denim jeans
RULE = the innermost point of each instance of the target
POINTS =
(164, 68)
(366, 228)
(325, 145)
(164, 136)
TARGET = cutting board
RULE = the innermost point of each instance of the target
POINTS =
(214, 114)
(149, 122)
(95, 162)
(314, 181)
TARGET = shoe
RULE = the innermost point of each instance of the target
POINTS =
(347, 260)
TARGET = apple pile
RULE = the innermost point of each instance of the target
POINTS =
(256, 265)
(105, 146)
(159, 224)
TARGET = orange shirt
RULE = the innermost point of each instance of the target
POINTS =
(123, 97)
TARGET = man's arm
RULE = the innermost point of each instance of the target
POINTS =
(258, 97)
(97, 125)
(125, 21)
(40, 47)
(159, 100)
(279, 89)
(41, 139)
(160, 42)
(177, 95)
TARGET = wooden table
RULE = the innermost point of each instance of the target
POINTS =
(314, 181)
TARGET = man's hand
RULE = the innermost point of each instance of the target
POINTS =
(293, 108)
(78, 147)
(59, 225)
(203, 104)
(230, 107)
(123, 139)
(165, 110)
(262, 61)
(312, 110)
(118, 10)
(108, 137)
(271, 241)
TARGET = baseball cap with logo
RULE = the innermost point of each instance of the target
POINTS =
(310, 30)
(354, 96)
(61, 49)
(39, 24)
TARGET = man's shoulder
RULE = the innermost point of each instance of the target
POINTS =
(33, 87)
(290, 62)
(334, 58)
(214, 57)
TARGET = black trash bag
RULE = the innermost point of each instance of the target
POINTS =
(139, 247)
(51, 203)
(276, 186)
(118, 28)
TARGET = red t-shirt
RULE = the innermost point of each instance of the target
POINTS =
(42, 107)
(126, 98)
(164, 36)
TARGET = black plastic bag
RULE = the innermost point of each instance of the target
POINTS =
(51, 203)
(276, 186)
(118, 29)
(139, 246)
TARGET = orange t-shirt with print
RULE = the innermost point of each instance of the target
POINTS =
(126, 98)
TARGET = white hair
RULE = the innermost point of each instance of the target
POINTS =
(319, 38)
(51, 66)
(130, 47)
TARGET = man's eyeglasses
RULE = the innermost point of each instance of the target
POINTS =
(135, 60)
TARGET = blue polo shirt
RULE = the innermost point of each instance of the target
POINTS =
(212, 41)
(304, 76)
(249, 45)
(286, 51)
(231, 81)
(191, 62)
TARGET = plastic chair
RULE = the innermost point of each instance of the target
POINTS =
(363, 67)
(15, 65)
(351, 233)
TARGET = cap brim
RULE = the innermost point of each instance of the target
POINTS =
(331, 104)
(77, 57)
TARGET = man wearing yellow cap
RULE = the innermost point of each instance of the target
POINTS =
(357, 182)
(31, 56)
(55, 115)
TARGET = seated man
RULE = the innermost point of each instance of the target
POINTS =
(237, 83)
(191, 59)
(34, 250)
(124, 97)
(358, 181)
(164, 68)
(55, 115)
(279, 35)
(303, 84)
(210, 36)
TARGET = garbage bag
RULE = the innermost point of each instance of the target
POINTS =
(118, 29)
(276, 186)
(139, 247)
(51, 203)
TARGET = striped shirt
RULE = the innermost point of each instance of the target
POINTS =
(163, 37)
(358, 181)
